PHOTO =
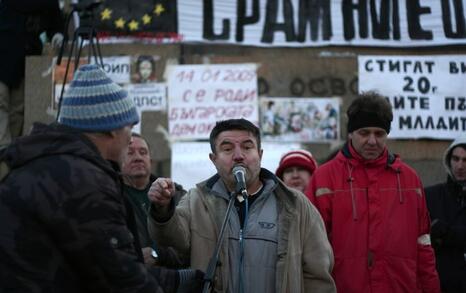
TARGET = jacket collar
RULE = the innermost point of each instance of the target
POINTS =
(285, 197)
(386, 158)
(55, 139)
(215, 185)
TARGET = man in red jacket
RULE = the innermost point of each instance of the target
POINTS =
(374, 209)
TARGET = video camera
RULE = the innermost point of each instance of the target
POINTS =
(86, 5)
(86, 11)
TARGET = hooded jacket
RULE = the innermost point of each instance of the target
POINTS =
(64, 224)
(447, 206)
(377, 222)
(302, 258)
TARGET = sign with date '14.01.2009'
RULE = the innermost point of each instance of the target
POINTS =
(427, 93)
(200, 95)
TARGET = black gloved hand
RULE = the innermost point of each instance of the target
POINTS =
(438, 228)
(191, 281)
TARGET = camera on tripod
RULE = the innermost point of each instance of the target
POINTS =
(86, 5)
(85, 31)
(86, 11)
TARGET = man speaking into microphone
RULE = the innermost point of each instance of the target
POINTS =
(275, 240)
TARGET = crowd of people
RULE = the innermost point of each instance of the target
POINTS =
(80, 210)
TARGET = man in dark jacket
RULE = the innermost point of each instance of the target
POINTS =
(21, 24)
(65, 225)
(137, 181)
(447, 207)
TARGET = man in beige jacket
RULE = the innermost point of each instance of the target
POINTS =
(275, 239)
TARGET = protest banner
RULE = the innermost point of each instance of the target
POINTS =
(200, 95)
(297, 23)
(300, 119)
(427, 93)
(290, 23)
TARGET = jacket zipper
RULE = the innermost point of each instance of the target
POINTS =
(370, 259)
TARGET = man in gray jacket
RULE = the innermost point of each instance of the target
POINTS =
(275, 240)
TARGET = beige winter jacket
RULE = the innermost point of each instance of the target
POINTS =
(305, 258)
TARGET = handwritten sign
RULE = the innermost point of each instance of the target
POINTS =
(427, 93)
(200, 95)
(147, 97)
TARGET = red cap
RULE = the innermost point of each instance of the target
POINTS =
(297, 158)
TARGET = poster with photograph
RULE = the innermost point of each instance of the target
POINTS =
(300, 119)
(143, 69)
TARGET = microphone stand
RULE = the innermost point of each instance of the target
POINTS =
(210, 272)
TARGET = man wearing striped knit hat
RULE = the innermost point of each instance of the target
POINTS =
(65, 225)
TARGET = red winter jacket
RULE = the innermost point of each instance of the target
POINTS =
(377, 221)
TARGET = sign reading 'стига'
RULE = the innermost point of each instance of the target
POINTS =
(428, 93)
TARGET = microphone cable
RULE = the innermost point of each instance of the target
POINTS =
(241, 244)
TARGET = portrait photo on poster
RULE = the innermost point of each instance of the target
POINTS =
(144, 69)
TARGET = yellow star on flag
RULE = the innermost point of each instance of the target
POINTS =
(133, 25)
(106, 14)
(120, 23)
(146, 19)
(159, 9)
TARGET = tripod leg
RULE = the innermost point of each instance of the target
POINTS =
(99, 53)
(93, 47)
(78, 53)
(68, 62)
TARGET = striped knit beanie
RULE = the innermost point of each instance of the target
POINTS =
(297, 158)
(94, 103)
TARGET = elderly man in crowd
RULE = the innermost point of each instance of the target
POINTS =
(138, 178)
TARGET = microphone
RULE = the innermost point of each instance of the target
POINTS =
(239, 172)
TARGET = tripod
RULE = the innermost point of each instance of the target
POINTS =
(85, 32)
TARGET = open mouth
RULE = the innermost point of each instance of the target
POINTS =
(137, 165)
